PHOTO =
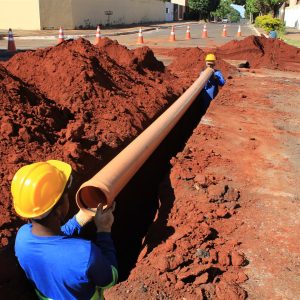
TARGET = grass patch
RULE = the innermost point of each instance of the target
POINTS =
(292, 42)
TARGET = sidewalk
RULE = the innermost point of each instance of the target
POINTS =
(52, 34)
(291, 36)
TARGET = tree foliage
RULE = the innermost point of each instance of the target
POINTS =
(263, 6)
(269, 23)
(204, 7)
(225, 10)
(239, 2)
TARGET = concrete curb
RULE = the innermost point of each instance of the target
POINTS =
(118, 33)
(254, 29)
(76, 36)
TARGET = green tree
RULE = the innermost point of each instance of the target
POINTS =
(239, 2)
(223, 10)
(234, 15)
(204, 7)
(255, 7)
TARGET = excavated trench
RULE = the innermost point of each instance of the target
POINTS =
(144, 197)
(137, 205)
(138, 202)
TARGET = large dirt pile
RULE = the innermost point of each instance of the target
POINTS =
(111, 102)
(76, 103)
(262, 52)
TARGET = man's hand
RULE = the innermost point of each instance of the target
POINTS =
(82, 217)
(104, 218)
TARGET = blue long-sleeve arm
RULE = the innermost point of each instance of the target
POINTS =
(103, 261)
(72, 227)
(220, 78)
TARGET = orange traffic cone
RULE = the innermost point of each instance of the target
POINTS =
(11, 46)
(224, 32)
(61, 36)
(239, 33)
(172, 37)
(98, 35)
(140, 37)
(204, 32)
(188, 33)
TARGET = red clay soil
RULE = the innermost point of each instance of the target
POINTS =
(188, 251)
(228, 217)
(83, 104)
(76, 105)
(262, 52)
(30, 124)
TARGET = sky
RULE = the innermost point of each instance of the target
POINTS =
(240, 9)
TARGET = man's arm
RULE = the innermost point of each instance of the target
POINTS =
(102, 269)
(74, 225)
(220, 78)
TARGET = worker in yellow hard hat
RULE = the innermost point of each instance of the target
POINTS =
(211, 88)
(59, 264)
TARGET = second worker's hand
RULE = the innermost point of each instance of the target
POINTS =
(104, 218)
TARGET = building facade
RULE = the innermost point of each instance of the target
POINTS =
(180, 7)
(73, 14)
(292, 14)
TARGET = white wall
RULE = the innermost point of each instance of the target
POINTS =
(293, 2)
(19, 14)
(170, 13)
(124, 11)
(179, 2)
(292, 16)
(55, 13)
(47, 14)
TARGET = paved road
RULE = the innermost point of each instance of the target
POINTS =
(160, 37)
(154, 38)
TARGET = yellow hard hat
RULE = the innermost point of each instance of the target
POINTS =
(37, 187)
(210, 57)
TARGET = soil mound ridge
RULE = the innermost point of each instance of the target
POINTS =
(75, 103)
(111, 102)
(30, 125)
(139, 58)
(263, 52)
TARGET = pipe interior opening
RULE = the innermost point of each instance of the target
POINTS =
(90, 197)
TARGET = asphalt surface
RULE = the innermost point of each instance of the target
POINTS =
(154, 36)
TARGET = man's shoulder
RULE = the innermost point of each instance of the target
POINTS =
(24, 230)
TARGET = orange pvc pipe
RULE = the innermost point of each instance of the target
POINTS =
(110, 180)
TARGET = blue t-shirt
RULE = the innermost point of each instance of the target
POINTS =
(211, 88)
(65, 266)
